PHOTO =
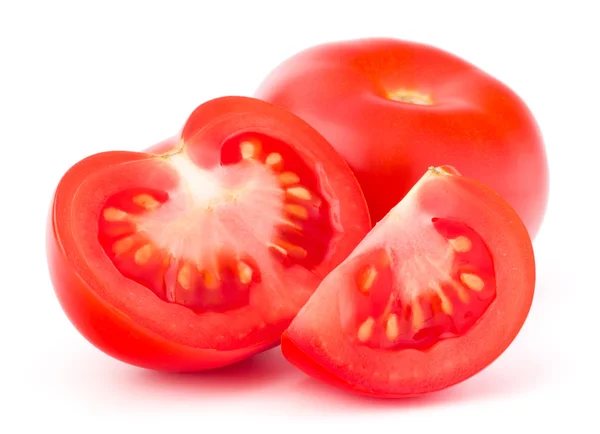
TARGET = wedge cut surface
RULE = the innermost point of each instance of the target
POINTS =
(434, 293)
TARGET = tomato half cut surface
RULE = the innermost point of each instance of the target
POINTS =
(434, 293)
(201, 255)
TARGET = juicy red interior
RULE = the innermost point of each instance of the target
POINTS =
(302, 238)
(391, 315)
(316, 232)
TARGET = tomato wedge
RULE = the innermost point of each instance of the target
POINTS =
(200, 255)
(433, 294)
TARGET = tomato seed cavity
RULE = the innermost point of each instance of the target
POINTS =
(426, 298)
(151, 236)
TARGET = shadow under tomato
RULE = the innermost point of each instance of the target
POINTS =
(260, 371)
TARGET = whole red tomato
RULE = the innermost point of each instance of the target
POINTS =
(393, 108)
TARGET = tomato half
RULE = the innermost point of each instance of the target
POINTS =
(434, 293)
(201, 255)
(393, 108)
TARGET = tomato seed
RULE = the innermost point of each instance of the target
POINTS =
(365, 279)
(289, 178)
(290, 224)
(472, 281)
(299, 193)
(123, 245)
(244, 272)
(366, 329)
(146, 201)
(114, 215)
(143, 254)
(210, 280)
(274, 161)
(292, 250)
(417, 314)
(297, 211)
(249, 149)
(392, 331)
(184, 277)
(461, 244)
(446, 305)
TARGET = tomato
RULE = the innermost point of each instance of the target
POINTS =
(433, 294)
(393, 108)
(201, 255)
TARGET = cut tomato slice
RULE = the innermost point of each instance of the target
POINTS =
(433, 294)
(200, 255)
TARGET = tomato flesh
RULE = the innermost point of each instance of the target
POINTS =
(213, 244)
(408, 295)
(190, 246)
(433, 294)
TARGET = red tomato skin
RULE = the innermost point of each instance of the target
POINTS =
(480, 126)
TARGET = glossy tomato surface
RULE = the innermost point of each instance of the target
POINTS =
(434, 293)
(198, 252)
(392, 108)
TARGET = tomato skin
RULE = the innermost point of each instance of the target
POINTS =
(316, 344)
(81, 283)
(114, 333)
(476, 123)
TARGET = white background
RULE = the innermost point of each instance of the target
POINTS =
(77, 79)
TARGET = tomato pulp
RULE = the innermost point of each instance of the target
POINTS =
(393, 108)
(200, 251)
(433, 294)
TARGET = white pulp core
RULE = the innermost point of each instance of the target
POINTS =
(428, 257)
(225, 209)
